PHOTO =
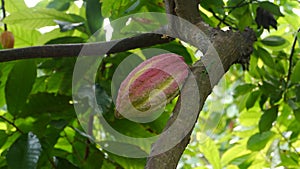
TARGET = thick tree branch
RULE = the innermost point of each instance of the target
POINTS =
(91, 49)
(224, 49)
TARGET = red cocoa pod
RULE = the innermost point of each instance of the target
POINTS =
(151, 85)
(7, 39)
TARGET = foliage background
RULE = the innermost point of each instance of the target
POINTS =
(252, 119)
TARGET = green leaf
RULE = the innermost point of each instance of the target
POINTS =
(93, 15)
(273, 41)
(253, 97)
(19, 84)
(269, 6)
(14, 6)
(266, 57)
(259, 140)
(24, 153)
(63, 163)
(103, 100)
(60, 5)
(267, 88)
(215, 5)
(266, 120)
(24, 37)
(5, 69)
(115, 8)
(249, 118)
(128, 163)
(37, 18)
(65, 40)
(177, 48)
(210, 151)
(243, 89)
(295, 76)
(297, 114)
(58, 105)
(3, 137)
(234, 152)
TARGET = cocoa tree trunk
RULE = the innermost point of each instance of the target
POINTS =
(231, 47)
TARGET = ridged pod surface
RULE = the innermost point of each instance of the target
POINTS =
(7, 39)
(151, 85)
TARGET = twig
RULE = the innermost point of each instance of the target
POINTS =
(4, 13)
(75, 152)
(221, 20)
(291, 58)
(89, 132)
(11, 123)
(240, 4)
(289, 143)
(89, 49)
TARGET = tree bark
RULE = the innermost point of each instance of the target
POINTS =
(231, 47)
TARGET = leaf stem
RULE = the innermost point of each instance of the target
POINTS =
(4, 13)
(11, 123)
(291, 58)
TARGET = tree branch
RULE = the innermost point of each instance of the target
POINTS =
(91, 49)
(291, 57)
(230, 47)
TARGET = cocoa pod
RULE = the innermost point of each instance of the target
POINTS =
(151, 85)
(7, 39)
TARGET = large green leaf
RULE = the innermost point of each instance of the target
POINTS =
(93, 15)
(249, 118)
(14, 6)
(37, 18)
(58, 106)
(297, 114)
(295, 77)
(19, 84)
(253, 97)
(23, 36)
(128, 163)
(273, 41)
(24, 153)
(259, 140)
(60, 5)
(265, 57)
(243, 89)
(236, 151)
(267, 119)
(210, 151)
(115, 8)
(5, 69)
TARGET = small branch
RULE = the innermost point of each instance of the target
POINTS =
(90, 133)
(75, 152)
(291, 57)
(221, 20)
(289, 143)
(11, 123)
(4, 13)
(240, 4)
(90, 49)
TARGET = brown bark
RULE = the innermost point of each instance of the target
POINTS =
(231, 47)
(91, 49)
